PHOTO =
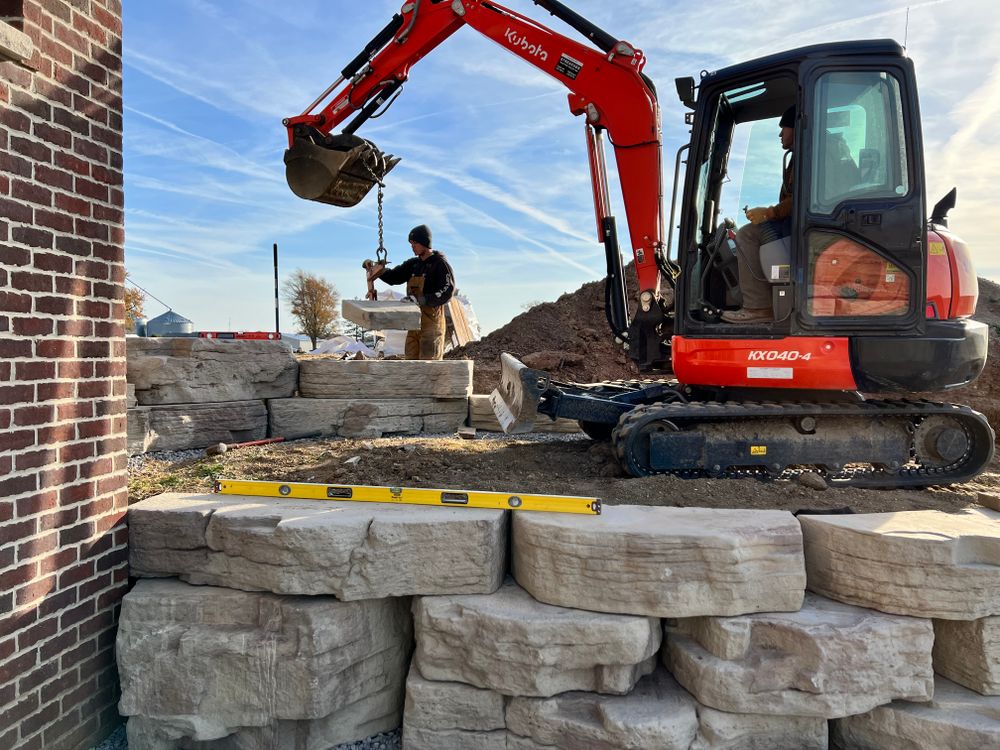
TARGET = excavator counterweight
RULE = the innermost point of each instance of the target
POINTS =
(336, 169)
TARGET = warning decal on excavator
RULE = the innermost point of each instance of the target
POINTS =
(569, 67)
(935, 248)
(758, 450)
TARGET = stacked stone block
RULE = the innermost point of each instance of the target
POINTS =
(195, 392)
(62, 366)
(644, 627)
(372, 398)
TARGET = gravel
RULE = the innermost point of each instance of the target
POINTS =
(388, 741)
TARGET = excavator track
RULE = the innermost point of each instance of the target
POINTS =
(870, 444)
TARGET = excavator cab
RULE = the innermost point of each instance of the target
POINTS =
(339, 169)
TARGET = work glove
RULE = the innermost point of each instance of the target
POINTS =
(759, 215)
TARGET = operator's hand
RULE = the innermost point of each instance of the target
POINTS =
(759, 215)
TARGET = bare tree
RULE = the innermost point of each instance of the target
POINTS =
(135, 300)
(314, 302)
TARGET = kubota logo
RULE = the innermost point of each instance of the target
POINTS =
(521, 42)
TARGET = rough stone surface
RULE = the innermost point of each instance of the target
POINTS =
(662, 562)
(827, 660)
(198, 371)
(15, 44)
(353, 550)
(382, 379)
(184, 426)
(657, 715)
(452, 716)
(510, 643)
(378, 315)
(969, 653)
(200, 663)
(924, 563)
(482, 417)
(957, 719)
(363, 418)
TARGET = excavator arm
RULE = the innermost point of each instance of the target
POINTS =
(606, 87)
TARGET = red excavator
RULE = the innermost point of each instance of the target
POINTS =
(869, 295)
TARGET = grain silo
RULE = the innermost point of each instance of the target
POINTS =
(170, 324)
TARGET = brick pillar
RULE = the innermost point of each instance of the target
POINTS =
(63, 561)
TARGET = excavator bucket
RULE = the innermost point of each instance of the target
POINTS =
(515, 400)
(337, 169)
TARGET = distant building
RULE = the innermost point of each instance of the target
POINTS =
(170, 324)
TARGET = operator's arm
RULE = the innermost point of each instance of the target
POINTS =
(398, 275)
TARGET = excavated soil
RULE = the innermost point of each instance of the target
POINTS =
(569, 338)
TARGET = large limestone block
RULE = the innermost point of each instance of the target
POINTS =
(663, 562)
(361, 418)
(826, 660)
(199, 663)
(378, 315)
(452, 716)
(482, 417)
(657, 715)
(957, 719)
(510, 643)
(353, 550)
(371, 379)
(924, 563)
(195, 370)
(186, 426)
(969, 653)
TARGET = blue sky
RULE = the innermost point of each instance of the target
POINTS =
(492, 159)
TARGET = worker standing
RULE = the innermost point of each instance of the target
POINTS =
(431, 282)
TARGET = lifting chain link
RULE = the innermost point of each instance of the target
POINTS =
(381, 254)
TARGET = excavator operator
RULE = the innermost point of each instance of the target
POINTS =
(431, 282)
(757, 306)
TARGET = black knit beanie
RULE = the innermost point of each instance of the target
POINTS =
(788, 119)
(421, 235)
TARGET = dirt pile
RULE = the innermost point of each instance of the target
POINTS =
(568, 338)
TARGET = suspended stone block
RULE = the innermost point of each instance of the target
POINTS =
(378, 315)
(258, 671)
(482, 417)
(968, 652)
(957, 719)
(187, 426)
(924, 563)
(385, 379)
(827, 660)
(352, 550)
(510, 643)
(662, 562)
(363, 418)
(197, 371)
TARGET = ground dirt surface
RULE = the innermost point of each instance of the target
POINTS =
(570, 339)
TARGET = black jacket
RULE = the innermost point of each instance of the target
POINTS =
(439, 279)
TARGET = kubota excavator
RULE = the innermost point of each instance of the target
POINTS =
(869, 295)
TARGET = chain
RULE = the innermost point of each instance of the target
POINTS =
(381, 254)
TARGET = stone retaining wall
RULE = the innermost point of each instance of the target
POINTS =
(187, 393)
(646, 628)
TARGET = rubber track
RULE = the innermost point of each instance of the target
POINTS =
(689, 415)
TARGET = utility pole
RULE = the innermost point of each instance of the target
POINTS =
(277, 329)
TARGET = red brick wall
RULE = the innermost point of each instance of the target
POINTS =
(63, 562)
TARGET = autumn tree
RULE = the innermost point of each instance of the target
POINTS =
(135, 300)
(314, 302)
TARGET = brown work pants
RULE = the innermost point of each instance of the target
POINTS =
(428, 342)
(753, 283)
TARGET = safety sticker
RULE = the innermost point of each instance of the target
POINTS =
(770, 373)
(569, 67)
(935, 248)
(758, 450)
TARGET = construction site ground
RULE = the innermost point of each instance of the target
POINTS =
(565, 338)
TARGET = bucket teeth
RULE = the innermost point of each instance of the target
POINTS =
(339, 170)
(515, 400)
